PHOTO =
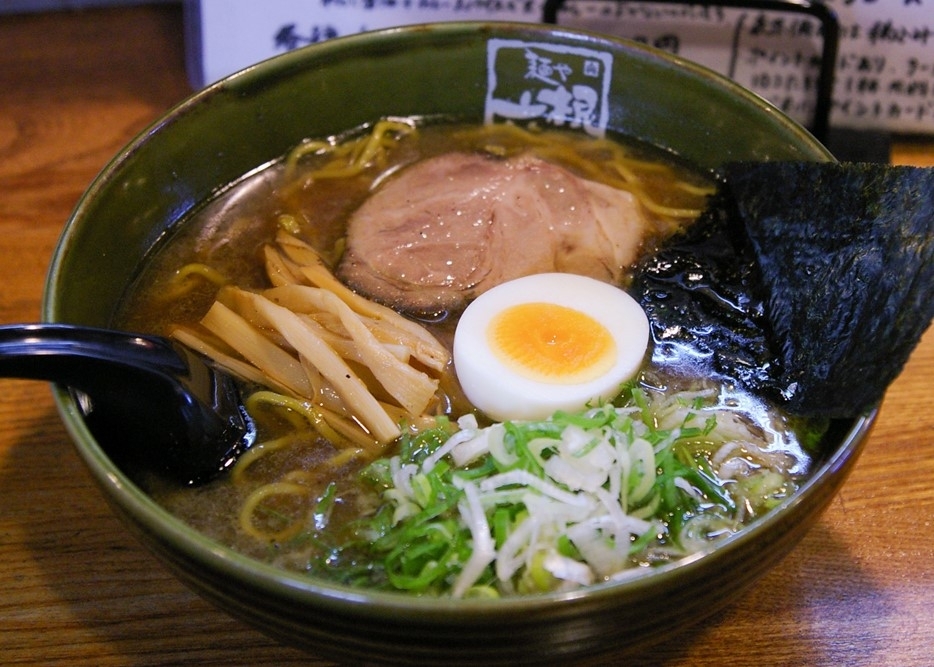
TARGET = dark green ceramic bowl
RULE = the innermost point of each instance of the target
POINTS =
(468, 71)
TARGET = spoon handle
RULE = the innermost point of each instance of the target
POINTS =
(74, 355)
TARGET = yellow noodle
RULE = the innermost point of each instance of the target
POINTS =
(307, 147)
(279, 270)
(344, 457)
(354, 157)
(669, 211)
(601, 160)
(693, 188)
(262, 493)
(188, 277)
(294, 408)
(300, 477)
(256, 452)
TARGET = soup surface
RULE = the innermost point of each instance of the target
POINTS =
(382, 473)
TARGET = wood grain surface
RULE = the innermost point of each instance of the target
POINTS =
(76, 589)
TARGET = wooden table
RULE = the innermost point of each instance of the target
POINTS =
(76, 589)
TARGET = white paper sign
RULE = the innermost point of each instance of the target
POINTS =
(884, 69)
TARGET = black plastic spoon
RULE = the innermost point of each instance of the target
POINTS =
(150, 402)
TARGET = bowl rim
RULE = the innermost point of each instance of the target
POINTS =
(121, 490)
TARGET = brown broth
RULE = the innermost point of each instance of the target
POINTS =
(228, 235)
(230, 231)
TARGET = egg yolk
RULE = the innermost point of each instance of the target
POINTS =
(549, 343)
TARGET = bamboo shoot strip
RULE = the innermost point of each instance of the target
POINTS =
(278, 269)
(257, 349)
(412, 389)
(428, 350)
(238, 367)
(347, 384)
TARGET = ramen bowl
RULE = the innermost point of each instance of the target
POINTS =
(476, 73)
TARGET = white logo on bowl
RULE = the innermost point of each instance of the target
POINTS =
(563, 86)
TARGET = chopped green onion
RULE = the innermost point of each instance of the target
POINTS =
(549, 505)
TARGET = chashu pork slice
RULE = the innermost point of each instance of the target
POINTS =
(447, 228)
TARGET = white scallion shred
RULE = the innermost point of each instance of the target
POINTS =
(483, 549)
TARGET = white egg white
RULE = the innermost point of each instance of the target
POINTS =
(502, 393)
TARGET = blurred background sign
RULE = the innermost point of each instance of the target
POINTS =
(883, 70)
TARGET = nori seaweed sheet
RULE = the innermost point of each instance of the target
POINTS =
(704, 299)
(846, 254)
(806, 282)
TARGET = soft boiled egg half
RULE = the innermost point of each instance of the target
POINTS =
(546, 342)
